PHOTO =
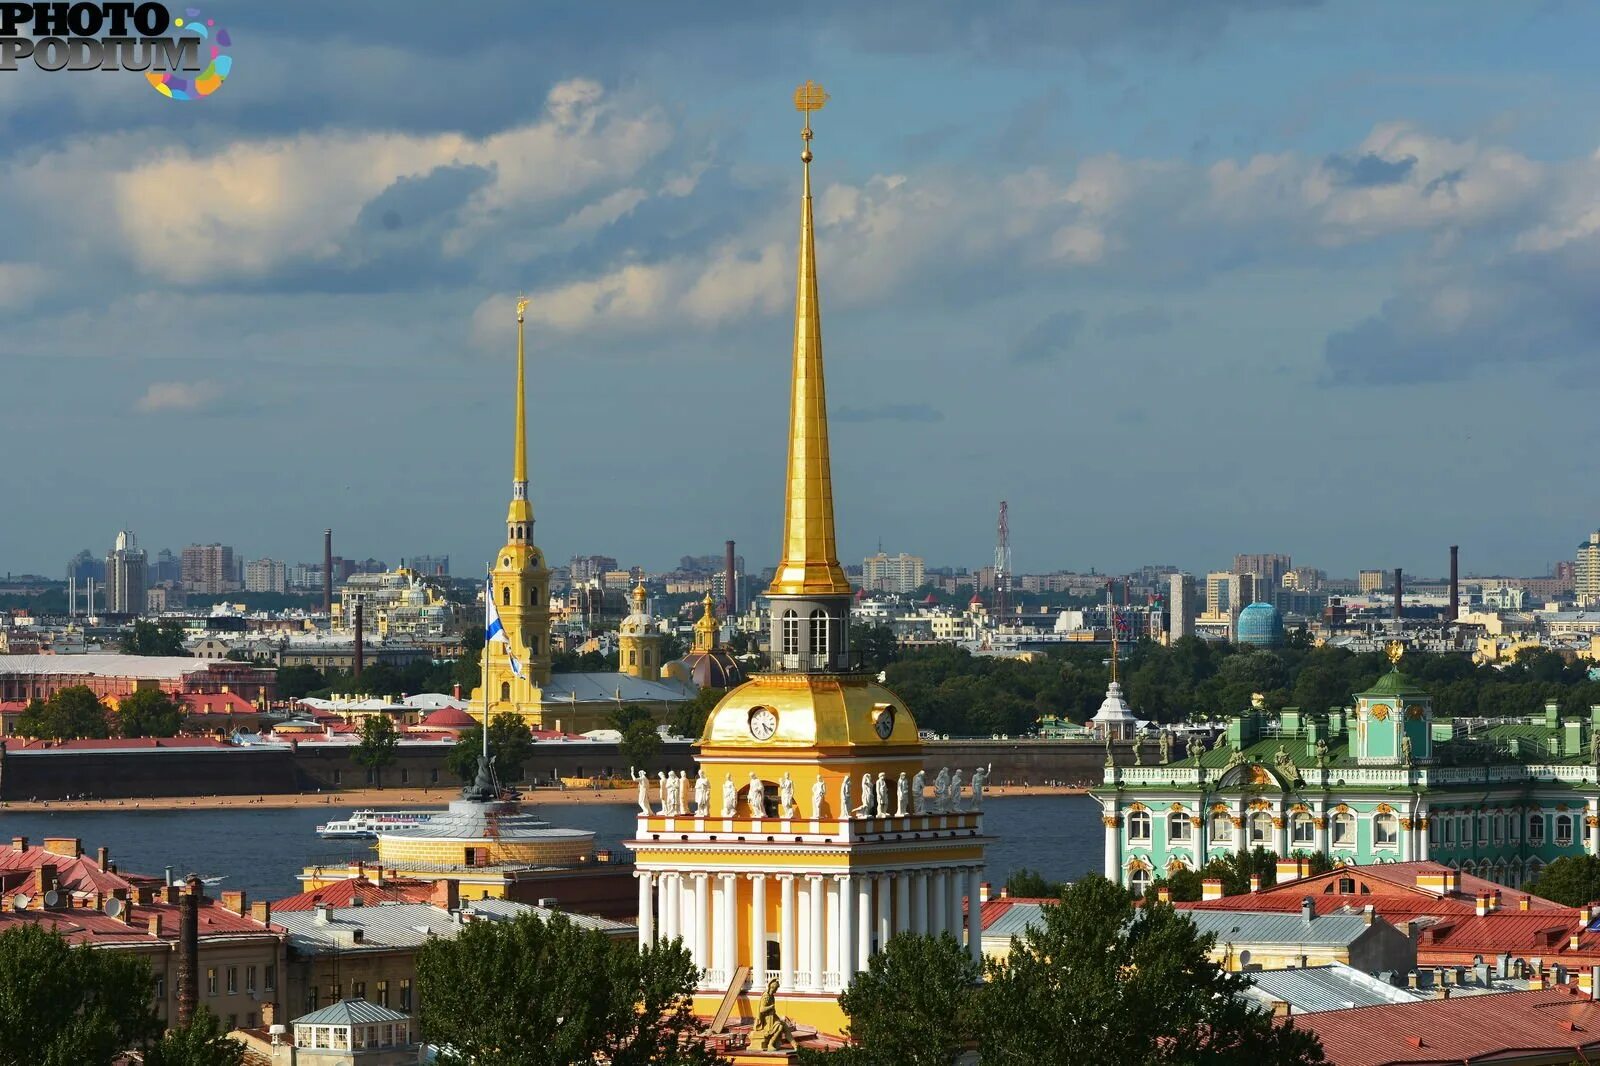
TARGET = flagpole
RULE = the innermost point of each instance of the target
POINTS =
(488, 605)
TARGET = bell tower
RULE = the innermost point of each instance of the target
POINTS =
(806, 840)
(520, 580)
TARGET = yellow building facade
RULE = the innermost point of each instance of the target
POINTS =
(639, 641)
(805, 841)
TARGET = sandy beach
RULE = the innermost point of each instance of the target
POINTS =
(383, 799)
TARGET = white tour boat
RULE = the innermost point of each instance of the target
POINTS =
(369, 823)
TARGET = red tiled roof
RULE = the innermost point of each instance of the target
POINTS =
(1467, 1029)
(216, 703)
(1390, 888)
(112, 744)
(358, 891)
(87, 925)
(449, 717)
(75, 873)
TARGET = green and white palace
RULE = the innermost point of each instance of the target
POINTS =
(1381, 782)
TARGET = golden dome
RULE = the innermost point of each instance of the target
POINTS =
(813, 711)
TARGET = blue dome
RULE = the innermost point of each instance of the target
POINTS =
(1260, 624)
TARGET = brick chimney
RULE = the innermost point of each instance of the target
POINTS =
(189, 950)
(983, 892)
(1211, 888)
(19, 844)
(103, 857)
(235, 901)
(71, 847)
(261, 911)
(1164, 894)
(446, 894)
(1255, 883)
(1482, 905)
(152, 925)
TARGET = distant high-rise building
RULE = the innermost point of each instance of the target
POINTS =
(125, 577)
(266, 575)
(1586, 571)
(1268, 569)
(1227, 594)
(1181, 606)
(1372, 580)
(428, 565)
(587, 568)
(208, 568)
(84, 567)
(892, 573)
(1304, 579)
(164, 568)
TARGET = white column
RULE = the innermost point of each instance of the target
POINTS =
(1321, 816)
(670, 912)
(902, 901)
(647, 905)
(1591, 833)
(937, 911)
(758, 930)
(1424, 845)
(1238, 817)
(818, 948)
(786, 932)
(728, 927)
(885, 927)
(952, 899)
(919, 903)
(974, 915)
(845, 915)
(1113, 825)
(699, 904)
(1407, 827)
(831, 965)
(863, 933)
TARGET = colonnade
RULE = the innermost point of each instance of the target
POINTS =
(829, 923)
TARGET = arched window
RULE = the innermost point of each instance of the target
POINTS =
(632, 657)
(1221, 829)
(791, 633)
(1344, 830)
(1536, 829)
(505, 690)
(1178, 828)
(505, 596)
(1138, 880)
(819, 634)
(1261, 829)
(1563, 830)
(533, 595)
(1385, 831)
(1139, 826)
(1305, 831)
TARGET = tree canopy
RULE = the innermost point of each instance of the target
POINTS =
(640, 743)
(149, 712)
(69, 713)
(510, 746)
(376, 748)
(913, 1006)
(1101, 981)
(70, 1006)
(532, 992)
(154, 638)
(1573, 880)
(200, 1043)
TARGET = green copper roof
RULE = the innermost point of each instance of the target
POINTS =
(1394, 683)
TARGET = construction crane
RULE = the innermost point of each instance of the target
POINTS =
(1002, 567)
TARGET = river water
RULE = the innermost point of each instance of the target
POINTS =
(261, 851)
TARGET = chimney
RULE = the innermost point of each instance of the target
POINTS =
(1523, 904)
(1211, 888)
(71, 847)
(324, 913)
(1585, 915)
(152, 925)
(446, 894)
(327, 572)
(19, 843)
(455, 692)
(235, 901)
(261, 911)
(1399, 590)
(1164, 894)
(1308, 910)
(1255, 883)
(377, 875)
(1413, 980)
(1575, 942)
(103, 856)
(1483, 905)
(358, 663)
(1455, 584)
(189, 950)
(1368, 913)
(983, 892)
(730, 584)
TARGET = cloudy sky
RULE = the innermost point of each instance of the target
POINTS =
(1176, 279)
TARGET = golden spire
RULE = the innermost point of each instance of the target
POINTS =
(705, 629)
(521, 510)
(810, 563)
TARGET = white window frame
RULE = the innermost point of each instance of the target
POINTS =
(1139, 826)
(1303, 821)
(1564, 822)
(790, 626)
(819, 634)
(1139, 881)
(1536, 830)
(1343, 830)
(1379, 822)
(1263, 821)
(1221, 826)
(1179, 831)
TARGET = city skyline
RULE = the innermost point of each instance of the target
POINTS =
(1169, 315)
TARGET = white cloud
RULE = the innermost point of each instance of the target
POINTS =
(177, 396)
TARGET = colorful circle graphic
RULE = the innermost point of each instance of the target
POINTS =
(175, 85)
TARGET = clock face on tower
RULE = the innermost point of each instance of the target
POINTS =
(763, 723)
(884, 724)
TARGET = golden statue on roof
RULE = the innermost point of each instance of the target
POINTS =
(809, 97)
(1394, 649)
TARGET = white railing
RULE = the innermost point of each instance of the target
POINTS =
(1371, 775)
(831, 980)
(1566, 773)
(715, 978)
(802, 979)
(1156, 775)
(1454, 775)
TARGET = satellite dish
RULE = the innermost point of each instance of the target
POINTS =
(20, 901)
(114, 908)
(52, 898)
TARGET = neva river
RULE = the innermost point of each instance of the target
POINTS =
(261, 851)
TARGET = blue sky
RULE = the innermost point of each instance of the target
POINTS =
(1177, 280)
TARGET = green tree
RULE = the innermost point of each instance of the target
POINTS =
(1235, 871)
(68, 714)
(1031, 884)
(640, 743)
(913, 1005)
(149, 712)
(689, 717)
(298, 682)
(1098, 980)
(154, 638)
(200, 1043)
(510, 746)
(532, 992)
(876, 645)
(1573, 880)
(70, 1006)
(376, 749)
